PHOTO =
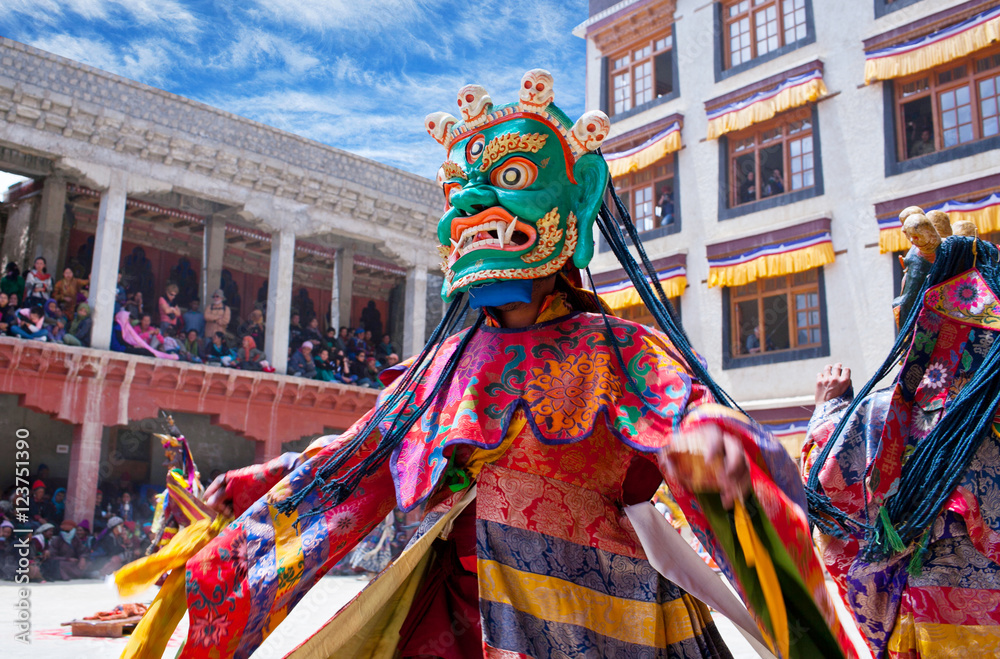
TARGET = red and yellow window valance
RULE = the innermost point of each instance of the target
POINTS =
(655, 148)
(771, 255)
(622, 294)
(792, 92)
(934, 49)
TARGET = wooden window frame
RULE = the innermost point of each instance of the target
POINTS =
(757, 131)
(935, 88)
(733, 354)
(629, 68)
(751, 13)
(625, 186)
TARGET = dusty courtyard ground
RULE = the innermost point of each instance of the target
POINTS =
(54, 603)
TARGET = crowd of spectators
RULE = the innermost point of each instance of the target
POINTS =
(60, 548)
(34, 307)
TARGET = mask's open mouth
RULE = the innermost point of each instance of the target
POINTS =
(492, 229)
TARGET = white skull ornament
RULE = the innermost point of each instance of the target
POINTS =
(438, 124)
(591, 129)
(536, 91)
(474, 102)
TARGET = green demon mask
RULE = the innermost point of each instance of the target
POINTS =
(522, 187)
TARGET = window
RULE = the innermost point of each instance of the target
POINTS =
(753, 28)
(642, 73)
(772, 158)
(649, 195)
(776, 314)
(949, 106)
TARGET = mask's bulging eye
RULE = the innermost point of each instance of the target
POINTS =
(515, 174)
(449, 190)
(475, 148)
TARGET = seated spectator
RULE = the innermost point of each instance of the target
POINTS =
(369, 342)
(359, 367)
(385, 348)
(125, 509)
(249, 357)
(194, 319)
(12, 281)
(302, 363)
(38, 283)
(58, 504)
(7, 319)
(343, 340)
(31, 324)
(357, 342)
(148, 332)
(121, 296)
(127, 338)
(170, 344)
(66, 290)
(343, 368)
(371, 373)
(390, 361)
(326, 370)
(312, 334)
(134, 305)
(330, 339)
(191, 347)
(217, 352)
(295, 337)
(52, 313)
(44, 566)
(112, 550)
(217, 314)
(40, 509)
(67, 552)
(170, 313)
(58, 332)
(78, 333)
(254, 328)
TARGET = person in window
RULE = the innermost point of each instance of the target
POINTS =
(924, 145)
(666, 204)
(748, 191)
(775, 184)
(753, 342)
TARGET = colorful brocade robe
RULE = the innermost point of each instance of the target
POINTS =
(952, 609)
(540, 426)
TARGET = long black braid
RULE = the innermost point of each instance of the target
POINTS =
(940, 460)
(337, 487)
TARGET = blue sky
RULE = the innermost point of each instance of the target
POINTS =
(356, 74)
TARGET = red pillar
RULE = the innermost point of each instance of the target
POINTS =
(84, 471)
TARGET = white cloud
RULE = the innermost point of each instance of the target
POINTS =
(255, 48)
(169, 15)
(369, 16)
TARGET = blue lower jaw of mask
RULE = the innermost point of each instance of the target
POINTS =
(500, 293)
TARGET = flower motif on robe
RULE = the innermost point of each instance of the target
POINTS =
(568, 394)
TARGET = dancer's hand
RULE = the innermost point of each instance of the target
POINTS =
(832, 383)
(215, 497)
(723, 465)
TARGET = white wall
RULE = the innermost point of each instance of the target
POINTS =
(859, 284)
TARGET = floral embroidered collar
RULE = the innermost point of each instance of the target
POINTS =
(562, 372)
